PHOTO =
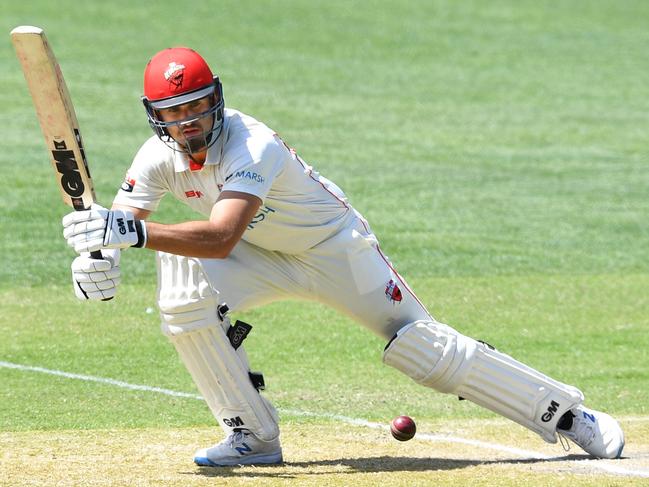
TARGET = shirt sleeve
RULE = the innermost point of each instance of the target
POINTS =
(144, 184)
(255, 165)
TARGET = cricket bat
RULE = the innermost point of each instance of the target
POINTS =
(56, 116)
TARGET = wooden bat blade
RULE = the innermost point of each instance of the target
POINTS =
(56, 115)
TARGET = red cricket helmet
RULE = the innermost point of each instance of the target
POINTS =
(175, 76)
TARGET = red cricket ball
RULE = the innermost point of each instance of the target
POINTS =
(403, 428)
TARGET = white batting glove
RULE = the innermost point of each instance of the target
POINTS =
(96, 278)
(97, 228)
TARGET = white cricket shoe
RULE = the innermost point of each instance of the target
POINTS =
(241, 447)
(596, 432)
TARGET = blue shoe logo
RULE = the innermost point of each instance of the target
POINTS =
(243, 449)
(589, 416)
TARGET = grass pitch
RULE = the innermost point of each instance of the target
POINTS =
(499, 151)
(315, 454)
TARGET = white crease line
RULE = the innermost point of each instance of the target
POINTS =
(90, 378)
(592, 464)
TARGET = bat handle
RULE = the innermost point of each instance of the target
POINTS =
(96, 254)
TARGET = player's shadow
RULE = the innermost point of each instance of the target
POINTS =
(366, 465)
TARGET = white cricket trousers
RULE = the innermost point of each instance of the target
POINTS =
(347, 271)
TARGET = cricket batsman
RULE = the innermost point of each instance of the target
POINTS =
(274, 229)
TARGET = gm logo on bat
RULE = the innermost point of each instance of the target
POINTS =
(67, 166)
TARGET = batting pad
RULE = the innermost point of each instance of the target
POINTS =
(437, 356)
(188, 309)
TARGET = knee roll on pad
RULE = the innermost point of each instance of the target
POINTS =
(437, 356)
(191, 320)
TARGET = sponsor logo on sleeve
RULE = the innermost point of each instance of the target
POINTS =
(247, 176)
(128, 184)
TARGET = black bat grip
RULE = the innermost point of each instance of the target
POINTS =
(96, 254)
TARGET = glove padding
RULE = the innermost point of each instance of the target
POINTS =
(98, 228)
(96, 278)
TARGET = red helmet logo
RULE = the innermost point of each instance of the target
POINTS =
(174, 74)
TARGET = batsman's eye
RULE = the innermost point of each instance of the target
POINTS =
(170, 110)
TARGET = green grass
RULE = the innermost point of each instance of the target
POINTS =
(498, 149)
(316, 361)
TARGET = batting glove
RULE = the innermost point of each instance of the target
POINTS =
(96, 278)
(99, 228)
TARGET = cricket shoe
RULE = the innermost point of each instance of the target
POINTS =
(241, 447)
(595, 432)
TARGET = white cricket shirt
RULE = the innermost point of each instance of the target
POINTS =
(300, 208)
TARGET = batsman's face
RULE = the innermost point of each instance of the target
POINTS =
(188, 116)
(190, 123)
